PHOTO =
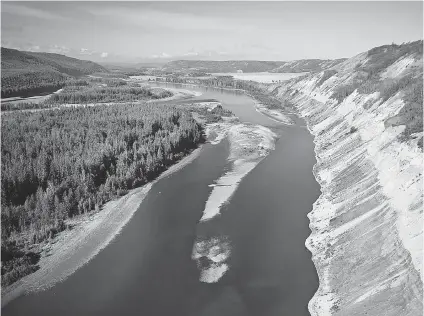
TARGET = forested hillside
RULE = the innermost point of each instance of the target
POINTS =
(60, 163)
(29, 73)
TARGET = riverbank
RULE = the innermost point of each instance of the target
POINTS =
(367, 223)
(71, 249)
(278, 115)
(87, 236)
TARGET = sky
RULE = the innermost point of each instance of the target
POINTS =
(162, 31)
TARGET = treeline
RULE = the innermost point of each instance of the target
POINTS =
(25, 84)
(60, 163)
(93, 90)
(105, 94)
(9, 106)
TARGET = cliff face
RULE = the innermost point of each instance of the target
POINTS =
(366, 241)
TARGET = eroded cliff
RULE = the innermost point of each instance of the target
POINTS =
(366, 240)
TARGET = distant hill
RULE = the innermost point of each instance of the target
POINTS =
(12, 59)
(26, 73)
(221, 66)
(306, 65)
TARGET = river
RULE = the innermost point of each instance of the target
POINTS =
(148, 269)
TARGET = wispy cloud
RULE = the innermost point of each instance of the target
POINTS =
(25, 11)
(86, 51)
(58, 49)
(162, 55)
(34, 48)
(151, 18)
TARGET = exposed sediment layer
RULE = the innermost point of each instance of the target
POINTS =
(367, 224)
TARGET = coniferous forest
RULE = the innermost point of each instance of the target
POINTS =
(60, 163)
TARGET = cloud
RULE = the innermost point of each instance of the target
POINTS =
(162, 55)
(175, 21)
(86, 51)
(58, 49)
(104, 55)
(34, 48)
(192, 53)
(21, 45)
(9, 44)
(22, 10)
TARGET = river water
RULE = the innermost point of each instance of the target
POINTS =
(148, 269)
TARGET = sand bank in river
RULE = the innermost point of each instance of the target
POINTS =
(249, 144)
(275, 114)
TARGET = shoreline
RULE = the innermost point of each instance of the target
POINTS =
(277, 115)
(91, 232)
(72, 249)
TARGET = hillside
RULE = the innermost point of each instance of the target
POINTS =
(12, 60)
(366, 116)
(28, 73)
(306, 65)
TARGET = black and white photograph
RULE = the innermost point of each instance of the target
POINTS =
(212, 158)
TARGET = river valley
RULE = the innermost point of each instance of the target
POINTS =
(151, 267)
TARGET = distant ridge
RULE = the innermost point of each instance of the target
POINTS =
(24, 73)
(12, 59)
(304, 65)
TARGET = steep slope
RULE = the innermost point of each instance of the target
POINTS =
(26, 73)
(305, 65)
(366, 241)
